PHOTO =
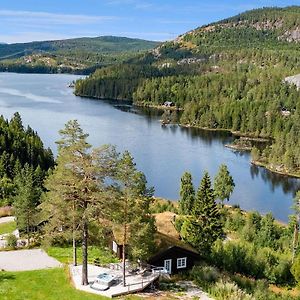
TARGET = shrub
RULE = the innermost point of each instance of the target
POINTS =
(178, 223)
(235, 221)
(205, 274)
(11, 241)
(248, 259)
(296, 269)
(229, 291)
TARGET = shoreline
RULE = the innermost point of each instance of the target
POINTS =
(158, 107)
(245, 136)
(279, 172)
(232, 207)
(238, 147)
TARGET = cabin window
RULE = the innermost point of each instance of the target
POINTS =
(181, 263)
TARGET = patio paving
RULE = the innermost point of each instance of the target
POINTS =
(134, 283)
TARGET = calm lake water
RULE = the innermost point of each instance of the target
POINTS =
(162, 153)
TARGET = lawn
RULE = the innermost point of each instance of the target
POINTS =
(50, 284)
(40, 285)
(8, 227)
(65, 255)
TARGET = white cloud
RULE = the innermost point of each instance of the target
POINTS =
(52, 18)
(23, 37)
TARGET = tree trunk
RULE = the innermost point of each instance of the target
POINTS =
(74, 251)
(74, 239)
(295, 239)
(28, 235)
(123, 255)
(84, 280)
(124, 241)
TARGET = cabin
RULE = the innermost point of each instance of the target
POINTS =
(116, 242)
(172, 254)
(117, 248)
(175, 259)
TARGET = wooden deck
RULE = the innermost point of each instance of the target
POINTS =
(134, 283)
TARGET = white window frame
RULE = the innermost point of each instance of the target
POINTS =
(169, 263)
(181, 262)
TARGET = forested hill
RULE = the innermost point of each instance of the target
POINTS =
(256, 28)
(229, 75)
(20, 148)
(71, 55)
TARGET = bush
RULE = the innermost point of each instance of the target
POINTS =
(178, 223)
(205, 274)
(235, 221)
(229, 291)
(11, 241)
(296, 269)
(248, 259)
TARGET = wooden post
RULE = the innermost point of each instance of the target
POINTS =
(84, 279)
(74, 238)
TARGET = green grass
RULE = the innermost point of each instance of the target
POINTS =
(40, 285)
(8, 227)
(65, 255)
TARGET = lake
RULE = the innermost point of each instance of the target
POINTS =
(46, 103)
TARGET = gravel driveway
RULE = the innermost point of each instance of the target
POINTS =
(6, 219)
(26, 260)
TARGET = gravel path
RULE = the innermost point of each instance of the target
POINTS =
(193, 291)
(26, 260)
(6, 219)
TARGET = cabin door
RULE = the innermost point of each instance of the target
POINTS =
(168, 265)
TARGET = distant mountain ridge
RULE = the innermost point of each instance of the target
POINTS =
(107, 44)
(70, 55)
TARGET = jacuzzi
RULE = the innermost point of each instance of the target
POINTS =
(103, 281)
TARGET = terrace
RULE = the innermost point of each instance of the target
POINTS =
(112, 277)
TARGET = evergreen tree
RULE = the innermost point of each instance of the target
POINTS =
(267, 234)
(83, 199)
(26, 200)
(223, 184)
(187, 194)
(132, 211)
(204, 226)
(7, 188)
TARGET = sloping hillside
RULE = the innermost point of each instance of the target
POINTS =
(225, 75)
(70, 55)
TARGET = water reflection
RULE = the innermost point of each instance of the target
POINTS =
(288, 184)
(163, 153)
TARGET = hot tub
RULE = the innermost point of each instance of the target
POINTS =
(103, 281)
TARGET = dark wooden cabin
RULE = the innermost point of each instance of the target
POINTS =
(175, 259)
(172, 254)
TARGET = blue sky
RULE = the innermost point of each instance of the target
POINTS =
(28, 20)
